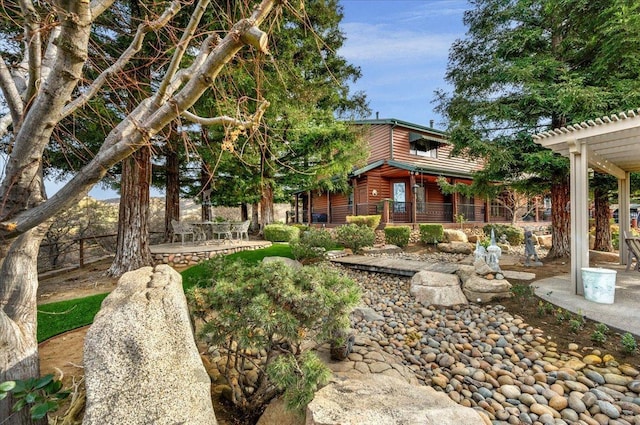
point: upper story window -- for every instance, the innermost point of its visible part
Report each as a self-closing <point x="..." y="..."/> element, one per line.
<point x="418" y="145"/>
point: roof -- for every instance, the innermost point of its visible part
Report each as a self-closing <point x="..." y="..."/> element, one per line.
<point x="409" y="167"/>
<point x="394" y="121"/>
<point x="613" y="142"/>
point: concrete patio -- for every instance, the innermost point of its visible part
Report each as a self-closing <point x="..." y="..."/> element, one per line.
<point x="622" y="315"/>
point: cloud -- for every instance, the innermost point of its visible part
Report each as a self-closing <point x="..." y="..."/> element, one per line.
<point x="368" y="42"/>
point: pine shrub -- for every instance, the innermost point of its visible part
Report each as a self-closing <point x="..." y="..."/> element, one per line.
<point x="515" y="236"/>
<point x="355" y="237"/>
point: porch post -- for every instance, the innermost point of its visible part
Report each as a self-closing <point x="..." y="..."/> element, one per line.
<point x="454" y="203"/>
<point x="487" y="211"/>
<point x="624" y="218"/>
<point x="297" y="217"/>
<point x="579" y="213"/>
<point x="385" y="211"/>
<point x="309" y="215"/>
<point x="414" y="209"/>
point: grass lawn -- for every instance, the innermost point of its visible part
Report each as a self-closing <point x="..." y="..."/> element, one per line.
<point x="63" y="316"/>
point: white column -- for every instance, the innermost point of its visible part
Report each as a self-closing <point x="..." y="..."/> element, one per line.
<point x="624" y="219"/>
<point x="579" y="213"/>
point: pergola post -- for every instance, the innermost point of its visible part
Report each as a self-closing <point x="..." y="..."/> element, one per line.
<point x="579" y="212"/>
<point x="624" y="218"/>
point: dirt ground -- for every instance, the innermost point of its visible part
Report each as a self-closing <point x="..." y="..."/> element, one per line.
<point x="63" y="353"/>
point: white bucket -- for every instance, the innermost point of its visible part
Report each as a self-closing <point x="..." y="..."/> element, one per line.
<point x="599" y="284"/>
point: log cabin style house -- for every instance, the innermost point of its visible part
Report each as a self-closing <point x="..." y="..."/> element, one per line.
<point x="399" y="182"/>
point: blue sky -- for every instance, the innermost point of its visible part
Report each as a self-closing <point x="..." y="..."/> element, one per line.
<point x="402" y="48"/>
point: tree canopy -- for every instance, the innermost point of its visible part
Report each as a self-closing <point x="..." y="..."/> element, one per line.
<point x="529" y="65"/>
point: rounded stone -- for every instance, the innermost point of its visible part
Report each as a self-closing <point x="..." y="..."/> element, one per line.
<point x="558" y="402"/>
<point x="608" y="409"/>
<point x="510" y="391"/>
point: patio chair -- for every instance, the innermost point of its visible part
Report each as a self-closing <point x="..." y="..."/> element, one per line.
<point x="633" y="245"/>
<point x="182" y="229"/>
<point x="240" y="230"/>
<point x="221" y="230"/>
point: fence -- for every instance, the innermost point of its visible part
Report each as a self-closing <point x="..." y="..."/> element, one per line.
<point x="80" y="251"/>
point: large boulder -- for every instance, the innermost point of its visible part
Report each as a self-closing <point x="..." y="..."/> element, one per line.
<point x="545" y="241"/>
<point x="384" y="400"/>
<point x="455" y="247"/>
<point x="140" y="359"/>
<point x="436" y="288"/>
<point x="452" y="235"/>
<point x="481" y="290"/>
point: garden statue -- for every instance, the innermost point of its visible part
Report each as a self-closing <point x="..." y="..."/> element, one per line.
<point x="493" y="254"/>
<point x="530" y="249"/>
<point x="480" y="252"/>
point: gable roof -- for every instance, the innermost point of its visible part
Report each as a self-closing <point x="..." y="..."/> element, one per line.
<point x="409" y="167"/>
<point x="406" y="124"/>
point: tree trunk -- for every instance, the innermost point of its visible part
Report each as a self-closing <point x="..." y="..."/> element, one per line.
<point x="18" y="320"/>
<point x="244" y="212"/>
<point x="255" y="218"/>
<point x="172" y="199"/>
<point x="132" y="246"/>
<point x="603" y="227"/>
<point x="266" y="204"/>
<point x="560" y="220"/>
<point x="205" y="192"/>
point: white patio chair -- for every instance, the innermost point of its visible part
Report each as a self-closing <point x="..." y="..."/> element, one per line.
<point x="182" y="229"/>
<point x="221" y="230"/>
<point x="240" y="230"/>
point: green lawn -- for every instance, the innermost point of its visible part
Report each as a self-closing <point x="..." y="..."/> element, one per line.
<point x="59" y="317"/>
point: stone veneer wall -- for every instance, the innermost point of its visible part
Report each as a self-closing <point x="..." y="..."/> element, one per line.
<point x="186" y="259"/>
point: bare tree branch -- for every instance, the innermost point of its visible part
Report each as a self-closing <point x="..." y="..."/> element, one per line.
<point x="252" y="122"/>
<point x="33" y="42"/>
<point x="138" y="128"/>
<point x="99" y="6"/>
<point x="181" y="48"/>
<point x="134" y="47"/>
<point x="10" y="91"/>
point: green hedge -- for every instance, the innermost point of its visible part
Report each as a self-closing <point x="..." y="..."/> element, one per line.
<point x="397" y="235"/>
<point x="280" y="233"/>
<point x="431" y="233"/>
<point x="372" y="221"/>
<point x="515" y="236"/>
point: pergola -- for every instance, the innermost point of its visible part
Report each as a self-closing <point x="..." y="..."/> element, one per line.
<point x="607" y="144"/>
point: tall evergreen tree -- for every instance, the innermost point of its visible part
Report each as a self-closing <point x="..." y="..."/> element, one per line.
<point x="526" y="66"/>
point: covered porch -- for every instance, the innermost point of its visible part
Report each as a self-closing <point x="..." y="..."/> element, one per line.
<point x="607" y="144"/>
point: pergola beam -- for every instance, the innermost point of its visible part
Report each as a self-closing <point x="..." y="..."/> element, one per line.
<point x="597" y="161"/>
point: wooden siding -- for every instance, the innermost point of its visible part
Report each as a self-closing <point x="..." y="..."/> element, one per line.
<point x="442" y="161"/>
<point x="339" y="199"/>
<point x="379" y="142"/>
<point x="319" y="202"/>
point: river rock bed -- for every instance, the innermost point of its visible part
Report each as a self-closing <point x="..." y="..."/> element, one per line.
<point x="487" y="359"/>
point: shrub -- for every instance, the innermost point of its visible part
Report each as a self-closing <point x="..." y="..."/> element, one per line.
<point x="431" y="233"/>
<point x="41" y="395"/>
<point x="598" y="337"/>
<point x="302" y="227"/>
<point x="397" y="235"/>
<point x="629" y="344"/>
<point x="272" y="309"/>
<point x="372" y="221"/>
<point x="312" y="245"/>
<point x="355" y="237"/>
<point x="280" y="233"/>
<point x="514" y="235"/>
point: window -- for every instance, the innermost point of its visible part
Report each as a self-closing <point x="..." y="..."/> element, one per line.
<point x="420" y="146"/>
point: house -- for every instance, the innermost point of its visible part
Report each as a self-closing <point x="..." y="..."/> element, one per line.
<point x="400" y="181"/>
